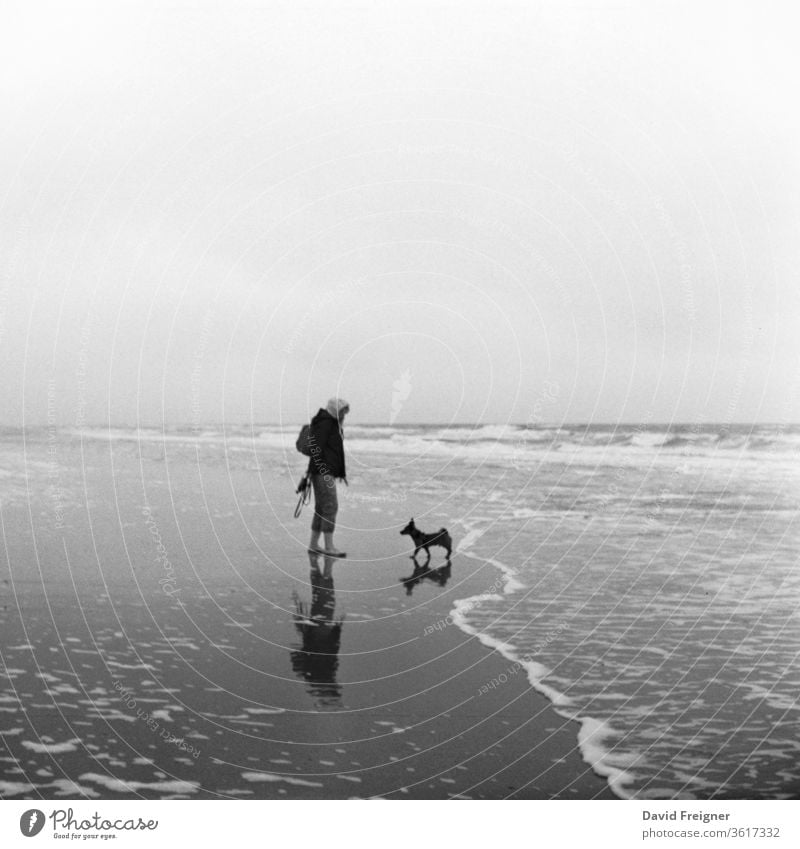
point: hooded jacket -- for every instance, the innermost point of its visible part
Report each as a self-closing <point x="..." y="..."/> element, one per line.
<point x="327" y="446"/>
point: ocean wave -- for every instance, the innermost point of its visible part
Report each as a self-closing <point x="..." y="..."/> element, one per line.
<point x="587" y="445"/>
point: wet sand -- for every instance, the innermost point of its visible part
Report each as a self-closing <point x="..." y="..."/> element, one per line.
<point x="173" y="639"/>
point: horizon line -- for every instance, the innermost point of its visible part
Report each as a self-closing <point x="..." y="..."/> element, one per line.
<point x="299" y="423"/>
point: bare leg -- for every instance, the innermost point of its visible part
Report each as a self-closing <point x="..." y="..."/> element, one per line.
<point x="329" y="546"/>
<point x="313" y="544"/>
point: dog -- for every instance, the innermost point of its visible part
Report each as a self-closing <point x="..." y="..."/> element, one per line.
<point x="423" y="540"/>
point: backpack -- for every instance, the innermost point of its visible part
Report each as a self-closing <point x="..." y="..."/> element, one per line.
<point x="303" y="444"/>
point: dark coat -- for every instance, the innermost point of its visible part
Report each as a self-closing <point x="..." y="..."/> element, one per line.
<point x="327" y="446"/>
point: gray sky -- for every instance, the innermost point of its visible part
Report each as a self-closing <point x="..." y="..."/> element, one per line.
<point x="502" y="212"/>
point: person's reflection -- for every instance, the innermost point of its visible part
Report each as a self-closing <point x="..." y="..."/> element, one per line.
<point x="321" y="634"/>
<point x="421" y="573"/>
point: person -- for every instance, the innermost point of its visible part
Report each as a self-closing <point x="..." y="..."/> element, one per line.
<point x="326" y="466"/>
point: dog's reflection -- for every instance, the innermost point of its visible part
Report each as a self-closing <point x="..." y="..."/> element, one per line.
<point x="421" y="573"/>
<point x="321" y="634"/>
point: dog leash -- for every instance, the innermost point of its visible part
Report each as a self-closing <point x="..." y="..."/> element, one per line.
<point x="304" y="489"/>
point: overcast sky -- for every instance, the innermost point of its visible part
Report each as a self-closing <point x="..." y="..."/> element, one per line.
<point x="442" y="212"/>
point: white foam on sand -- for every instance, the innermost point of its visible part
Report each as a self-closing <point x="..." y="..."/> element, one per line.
<point x="52" y="748"/>
<point x="511" y="583"/>
<point x="110" y="714"/>
<point x="468" y="539"/>
<point x="8" y="672"/>
<point x="396" y="729"/>
<point x="66" y="787"/>
<point x="536" y="672"/>
<point x="14" y="788"/>
<point x="162" y="713"/>
<point x="117" y="785"/>
<point x="593" y="742"/>
<point x="271" y="777"/>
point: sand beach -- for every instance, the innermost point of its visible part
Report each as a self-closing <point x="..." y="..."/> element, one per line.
<point x="165" y="634"/>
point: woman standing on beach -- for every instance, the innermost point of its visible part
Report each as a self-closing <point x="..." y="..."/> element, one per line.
<point x="326" y="466"/>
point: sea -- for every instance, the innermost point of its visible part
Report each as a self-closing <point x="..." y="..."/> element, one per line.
<point x="645" y="576"/>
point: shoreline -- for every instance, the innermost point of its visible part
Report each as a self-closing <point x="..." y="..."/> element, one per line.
<point x="590" y="732"/>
